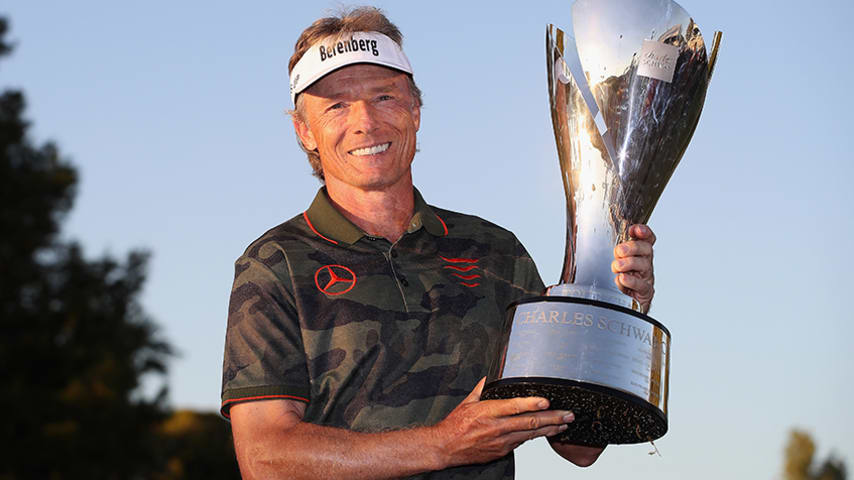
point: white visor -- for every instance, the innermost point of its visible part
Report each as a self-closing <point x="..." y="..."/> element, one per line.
<point x="330" y="54"/>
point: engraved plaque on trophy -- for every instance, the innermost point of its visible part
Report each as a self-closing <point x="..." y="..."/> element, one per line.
<point x="626" y="87"/>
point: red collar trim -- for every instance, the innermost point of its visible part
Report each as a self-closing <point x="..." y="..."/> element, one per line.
<point x="307" y="221"/>
<point x="443" y="224"/>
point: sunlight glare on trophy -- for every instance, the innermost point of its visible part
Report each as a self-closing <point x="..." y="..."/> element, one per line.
<point x="626" y="88"/>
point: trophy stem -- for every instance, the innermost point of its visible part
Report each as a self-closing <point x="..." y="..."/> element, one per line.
<point x="590" y="185"/>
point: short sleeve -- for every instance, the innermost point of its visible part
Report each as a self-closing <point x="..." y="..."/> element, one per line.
<point x="525" y="274"/>
<point x="264" y="355"/>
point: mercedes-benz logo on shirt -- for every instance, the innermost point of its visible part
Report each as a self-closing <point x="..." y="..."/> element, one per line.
<point x="334" y="279"/>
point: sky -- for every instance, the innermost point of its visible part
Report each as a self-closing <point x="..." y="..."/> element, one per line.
<point x="174" y="114"/>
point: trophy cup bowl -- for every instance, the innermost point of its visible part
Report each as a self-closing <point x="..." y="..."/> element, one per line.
<point x="626" y="88"/>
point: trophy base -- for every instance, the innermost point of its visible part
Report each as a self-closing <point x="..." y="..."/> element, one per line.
<point x="605" y="363"/>
<point x="602" y="416"/>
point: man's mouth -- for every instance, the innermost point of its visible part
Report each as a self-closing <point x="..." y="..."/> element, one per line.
<point x="372" y="150"/>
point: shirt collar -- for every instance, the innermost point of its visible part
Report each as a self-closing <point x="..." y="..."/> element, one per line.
<point x="329" y="223"/>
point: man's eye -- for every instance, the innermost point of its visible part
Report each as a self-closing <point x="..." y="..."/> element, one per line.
<point x="385" y="97"/>
<point x="336" y="106"/>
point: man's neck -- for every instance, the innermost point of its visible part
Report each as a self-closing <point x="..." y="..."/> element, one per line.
<point x="380" y="213"/>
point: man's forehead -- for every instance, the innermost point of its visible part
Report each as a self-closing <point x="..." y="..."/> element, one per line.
<point x="358" y="77"/>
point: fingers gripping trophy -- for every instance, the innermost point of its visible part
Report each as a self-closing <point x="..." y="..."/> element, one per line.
<point x="626" y="87"/>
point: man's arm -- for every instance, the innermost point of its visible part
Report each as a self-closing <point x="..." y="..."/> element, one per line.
<point x="272" y="441"/>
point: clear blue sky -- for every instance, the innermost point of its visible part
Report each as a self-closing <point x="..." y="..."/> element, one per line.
<point x="173" y="112"/>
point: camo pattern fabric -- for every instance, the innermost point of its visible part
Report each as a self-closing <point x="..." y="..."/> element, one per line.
<point x="372" y="335"/>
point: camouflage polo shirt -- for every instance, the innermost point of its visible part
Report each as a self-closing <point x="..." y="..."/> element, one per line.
<point x="373" y="335"/>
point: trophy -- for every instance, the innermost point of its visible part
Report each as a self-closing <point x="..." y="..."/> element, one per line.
<point x="626" y="88"/>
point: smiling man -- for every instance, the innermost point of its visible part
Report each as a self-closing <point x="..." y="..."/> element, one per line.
<point x="360" y="331"/>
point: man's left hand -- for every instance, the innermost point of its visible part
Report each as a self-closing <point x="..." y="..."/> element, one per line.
<point x="633" y="265"/>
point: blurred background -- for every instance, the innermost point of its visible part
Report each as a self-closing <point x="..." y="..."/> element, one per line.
<point x="158" y="147"/>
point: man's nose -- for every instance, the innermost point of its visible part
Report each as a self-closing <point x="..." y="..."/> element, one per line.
<point x="364" y="117"/>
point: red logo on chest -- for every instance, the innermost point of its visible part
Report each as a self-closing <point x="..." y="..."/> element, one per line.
<point x="334" y="279"/>
<point x="465" y="269"/>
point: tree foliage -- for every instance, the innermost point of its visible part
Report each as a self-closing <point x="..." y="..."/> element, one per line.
<point x="76" y="342"/>
<point x="800" y="463"/>
<point x="195" y="447"/>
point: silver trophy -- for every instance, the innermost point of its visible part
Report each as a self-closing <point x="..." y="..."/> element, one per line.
<point x="626" y="88"/>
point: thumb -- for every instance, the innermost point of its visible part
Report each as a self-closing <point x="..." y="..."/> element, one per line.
<point x="474" y="396"/>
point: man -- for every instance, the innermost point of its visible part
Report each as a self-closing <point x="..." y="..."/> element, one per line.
<point x="360" y="331"/>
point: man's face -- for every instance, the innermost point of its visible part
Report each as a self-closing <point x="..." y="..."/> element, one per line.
<point x="362" y="119"/>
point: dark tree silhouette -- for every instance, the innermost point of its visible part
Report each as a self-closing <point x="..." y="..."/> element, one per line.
<point x="75" y="341"/>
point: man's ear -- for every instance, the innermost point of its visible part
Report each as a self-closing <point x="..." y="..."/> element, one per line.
<point x="416" y="115"/>
<point x="304" y="134"/>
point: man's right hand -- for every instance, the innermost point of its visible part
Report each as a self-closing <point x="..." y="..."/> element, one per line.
<point x="272" y="441"/>
<point x="480" y="431"/>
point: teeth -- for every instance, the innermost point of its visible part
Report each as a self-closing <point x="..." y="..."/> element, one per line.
<point x="372" y="150"/>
